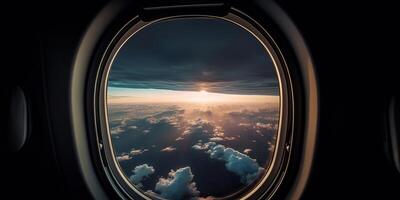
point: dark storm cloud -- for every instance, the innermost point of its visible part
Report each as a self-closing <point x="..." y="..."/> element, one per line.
<point x="194" y="54"/>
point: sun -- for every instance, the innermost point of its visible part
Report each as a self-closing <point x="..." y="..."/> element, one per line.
<point x="203" y="92"/>
<point x="201" y="96"/>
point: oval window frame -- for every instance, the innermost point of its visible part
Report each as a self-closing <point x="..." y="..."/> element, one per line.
<point x="277" y="168"/>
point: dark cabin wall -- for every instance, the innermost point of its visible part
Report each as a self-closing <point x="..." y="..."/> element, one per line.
<point x="350" y="43"/>
<point x="354" y="49"/>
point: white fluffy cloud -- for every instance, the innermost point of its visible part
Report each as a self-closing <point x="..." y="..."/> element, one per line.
<point x="168" y="149"/>
<point x="140" y="172"/>
<point x="198" y="147"/>
<point x="120" y="128"/>
<point x="117" y="130"/>
<point x="130" y="155"/>
<point x="202" y="126"/>
<point x="236" y="162"/>
<point x="123" y="157"/>
<point x="132" y="127"/>
<point x="146" y="131"/>
<point x="205" y="146"/>
<point x="178" y="185"/>
<point x="269" y="126"/>
<point x="135" y="152"/>
<point x="216" y="139"/>
<point x="247" y="151"/>
<point x="198" y="126"/>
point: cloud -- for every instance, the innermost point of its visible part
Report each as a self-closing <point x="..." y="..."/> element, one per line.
<point x="152" y="120"/>
<point x="271" y="146"/>
<point x="245" y="125"/>
<point x="197" y="147"/>
<point x="222" y="56"/>
<point x="216" y="139"/>
<point x="135" y="152"/>
<point x="172" y="117"/>
<point x="132" y="127"/>
<point x="199" y="126"/>
<point x="203" y="126"/>
<point x="247" y="151"/>
<point x="123" y="157"/>
<point x="141" y="172"/>
<point x="132" y="153"/>
<point x="230" y="138"/>
<point x="168" y="149"/>
<point x="178" y="185"/>
<point x="205" y="146"/>
<point x="236" y="162"/>
<point x="218" y="131"/>
<point x="117" y="130"/>
<point x="269" y="126"/>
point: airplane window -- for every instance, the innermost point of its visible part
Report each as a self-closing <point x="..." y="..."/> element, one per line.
<point x="193" y="107"/>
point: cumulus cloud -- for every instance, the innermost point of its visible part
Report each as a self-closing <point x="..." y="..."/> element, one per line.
<point x="135" y="152"/>
<point x="269" y="126"/>
<point x="141" y="172"/>
<point x="235" y="161"/>
<point x="152" y="120"/>
<point x="168" y="149"/>
<point x="230" y="138"/>
<point x="198" y="126"/>
<point x="173" y="120"/>
<point x="209" y="128"/>
<point x="216" y="139"/>
<point x="218" y="131"/>
<point x="245" y="125"/>
<point x="124" y="157"/>
<point x="117" y="130"/>
<point x="205" y="146"/>
<point x="271" y="146"/>
<point x="171" y="117"/>
<point x="131" y="154"/>
<point x="132" y="127"/>
<point x="177" y="185"/>
<point x="247" y="151"/>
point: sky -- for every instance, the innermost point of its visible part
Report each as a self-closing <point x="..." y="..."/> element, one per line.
<point x="199" y="56"/>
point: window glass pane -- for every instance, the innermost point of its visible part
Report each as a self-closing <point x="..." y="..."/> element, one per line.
<point x="193" y="108"/>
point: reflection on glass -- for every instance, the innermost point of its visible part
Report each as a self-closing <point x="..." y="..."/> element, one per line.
<point x="193" y="109"/>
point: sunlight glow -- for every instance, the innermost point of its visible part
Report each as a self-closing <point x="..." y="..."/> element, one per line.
<point x="203" y="92"/>
<point x="125" y="95"/>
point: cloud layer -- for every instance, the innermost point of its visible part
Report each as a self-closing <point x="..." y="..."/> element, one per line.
<point x="191" y="54"/>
